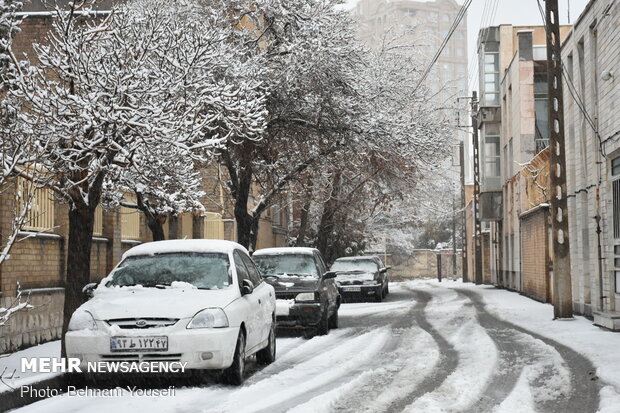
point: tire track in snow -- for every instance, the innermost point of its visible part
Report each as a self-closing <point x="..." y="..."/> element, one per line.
<point x="410" y="355"/>
<point x="294" y="386"/>
<point x="584" y="394"/>
<point x="448" y="360"/>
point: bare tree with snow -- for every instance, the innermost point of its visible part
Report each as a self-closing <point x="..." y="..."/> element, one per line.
<point x="106" y="88"/>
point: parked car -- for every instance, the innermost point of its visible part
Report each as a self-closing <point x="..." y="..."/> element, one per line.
<point x="307" y="296"/>
<point x="361" y="277"/>
<point x="202" y="302"/>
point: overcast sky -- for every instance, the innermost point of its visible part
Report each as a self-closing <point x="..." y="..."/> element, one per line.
<point x="515" y="12"/>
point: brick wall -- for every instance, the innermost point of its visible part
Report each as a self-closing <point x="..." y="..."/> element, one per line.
<point x="535" y="254"/>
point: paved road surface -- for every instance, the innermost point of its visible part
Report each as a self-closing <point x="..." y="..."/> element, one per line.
<point x="424" y="349"/>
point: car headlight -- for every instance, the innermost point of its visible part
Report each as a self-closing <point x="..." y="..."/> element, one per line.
<point x="305" y="297"/>
<point x="209" y="318"/>
<point x="82" y="320"/>
<point x="370" y="282"/>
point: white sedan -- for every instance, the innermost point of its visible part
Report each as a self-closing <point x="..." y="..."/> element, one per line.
<point x="200" y="303"/>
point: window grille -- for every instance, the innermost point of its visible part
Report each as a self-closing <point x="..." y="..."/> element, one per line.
<point x="213" y="226"/>
<point x="98" y="227"/>
<point x="40" y="215"/>
<point x="130" y="219"/>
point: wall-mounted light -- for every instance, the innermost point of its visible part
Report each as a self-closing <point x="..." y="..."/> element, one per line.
<point x="607" y="74"/>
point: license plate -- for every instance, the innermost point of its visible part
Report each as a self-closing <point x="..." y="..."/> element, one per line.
<point x="351" y="289"/>
<point x="159" y="343"/>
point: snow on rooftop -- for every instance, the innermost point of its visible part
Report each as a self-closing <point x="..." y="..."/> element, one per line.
<point x="184" y="245"/>
<point x="286" y="250"/>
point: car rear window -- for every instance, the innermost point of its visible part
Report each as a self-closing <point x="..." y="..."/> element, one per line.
<point x="202" y="270"/>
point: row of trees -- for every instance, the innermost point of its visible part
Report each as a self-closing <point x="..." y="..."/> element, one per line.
<point x="276" y="92"/>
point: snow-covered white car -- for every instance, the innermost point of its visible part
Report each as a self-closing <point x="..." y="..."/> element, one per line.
<point x="200" y="302"/>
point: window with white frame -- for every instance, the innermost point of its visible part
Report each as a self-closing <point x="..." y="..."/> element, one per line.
<point x="615" y="175"/>
<point x="490" y="74"/>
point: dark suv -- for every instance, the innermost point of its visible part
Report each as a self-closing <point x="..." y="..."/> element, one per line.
<point x="306" y="294"/>
<point x="361" y="277"/>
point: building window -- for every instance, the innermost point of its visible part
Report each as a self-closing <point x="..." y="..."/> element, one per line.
<point x="460" y="52"/>
<point x="432" y="15"/>
<point x="446" y="17"/>
<point x="541" y="97"/>
<point x="491" y="156"/>
<point x="491" y="78"/>
<point x="409" y="12"/>
<point x="460" y="35"/>
<point x="615" y="173"/>
<point x="277" y="214"/>
<point x="130" y="219"/>
<point x="98" y="226"/>
<point x="213" y="226"/>
<point x="40" y="214"/>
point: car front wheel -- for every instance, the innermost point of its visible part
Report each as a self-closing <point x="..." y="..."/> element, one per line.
<point x="268" y="354"/>
<point x="234" y="374"/>
<point x="323" y="327"/>
<point x="333" y="320"/>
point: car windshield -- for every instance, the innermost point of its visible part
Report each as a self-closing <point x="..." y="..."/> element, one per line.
<point x="301" y="265"/>
<point x="354" y="265"/>
<point x="202" y="270"/>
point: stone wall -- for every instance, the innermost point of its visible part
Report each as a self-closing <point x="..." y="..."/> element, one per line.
<point x="29" y="327"/>
<point x="423" y="264"/>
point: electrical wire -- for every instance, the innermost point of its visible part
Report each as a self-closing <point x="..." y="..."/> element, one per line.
<point x="573" y="90"/>
<point x="455" y="23"/>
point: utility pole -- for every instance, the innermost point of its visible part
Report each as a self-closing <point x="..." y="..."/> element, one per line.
<point x="453" y="235"/>
<point x="562" y="290"/>
<point x="476" y="200"/>
<point x="464" y="214"/>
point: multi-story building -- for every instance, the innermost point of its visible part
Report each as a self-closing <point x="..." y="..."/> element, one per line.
<point x="514" y="173"/>
<point x="422" y="26"/>
<point x="591" y="57"/>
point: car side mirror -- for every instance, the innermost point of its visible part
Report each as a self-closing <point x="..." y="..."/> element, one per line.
<point x="89" y="288"/>
<point x="247" y="287"/>
<point x="329" y="274"/>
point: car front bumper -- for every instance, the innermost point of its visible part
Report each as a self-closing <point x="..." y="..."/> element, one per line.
<point x="204" y="348"/>
<point x="298" y="315"/>
<point x="360" y="291"/>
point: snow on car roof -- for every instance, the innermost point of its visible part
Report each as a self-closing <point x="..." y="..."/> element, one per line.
<point x="358" y="257"/>
<point x="184" y="245"/>
<point x="286" y="250"/>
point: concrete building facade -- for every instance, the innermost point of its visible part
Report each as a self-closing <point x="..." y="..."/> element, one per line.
<point x="514" y="173"/>
<point x="591" y="57"/>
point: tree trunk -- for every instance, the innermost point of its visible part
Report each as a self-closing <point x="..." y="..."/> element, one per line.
<point x="81" y="223"/>
<point x="326" y="226"/>
<point x="156" y="225"/>
<point x="154" y="221"/>
<point x="303" y="224"/>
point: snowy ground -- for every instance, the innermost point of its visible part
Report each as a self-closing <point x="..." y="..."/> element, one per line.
<point x="430" y="347"/>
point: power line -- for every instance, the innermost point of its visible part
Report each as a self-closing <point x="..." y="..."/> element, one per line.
<point x="455" y="23"/>
<point x="573" y="90"/>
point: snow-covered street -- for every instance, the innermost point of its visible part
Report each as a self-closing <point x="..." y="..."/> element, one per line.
<point x="428" y="347"/>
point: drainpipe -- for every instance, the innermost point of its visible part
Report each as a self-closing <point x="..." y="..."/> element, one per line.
<point x="599" y="248"/>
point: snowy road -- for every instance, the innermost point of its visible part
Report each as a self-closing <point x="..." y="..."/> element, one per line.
<point x="425" y="349"/>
